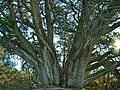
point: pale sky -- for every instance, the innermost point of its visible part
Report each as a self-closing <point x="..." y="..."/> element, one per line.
<point x="18" y="66"/>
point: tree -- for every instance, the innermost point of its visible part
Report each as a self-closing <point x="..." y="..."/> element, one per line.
<point x="105" y="82"/>
<point x="14" y="78"/>
<point x="28" y="28"/>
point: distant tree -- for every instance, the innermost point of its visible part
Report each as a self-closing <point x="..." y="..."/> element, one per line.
<point x="9" y="76"/>
<point x="29" y="27"/>
<point x="12" y="77"/>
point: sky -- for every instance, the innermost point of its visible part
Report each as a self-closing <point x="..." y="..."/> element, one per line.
<point x="18" y="66"/>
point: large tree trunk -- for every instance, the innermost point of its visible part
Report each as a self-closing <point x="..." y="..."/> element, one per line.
<point x="42" y="75"/>
<point x="76" y="77"/>
<point x="74" y="70"/>
<point x="87" y="28"/>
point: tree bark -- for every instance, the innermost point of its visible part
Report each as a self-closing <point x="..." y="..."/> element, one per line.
<point x="88" y="28"/>
<point x="74" y="70"/>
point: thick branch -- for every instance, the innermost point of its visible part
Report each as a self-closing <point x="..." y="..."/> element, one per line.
<point x="15" y="50"/>
<point x="48" y="20"/>
<point x="28" y="47"/>
<point x="109" y="29"/>
<point x="39" y="29"/>
<point x="41" y="36"/>
<point x="99" y="73"/>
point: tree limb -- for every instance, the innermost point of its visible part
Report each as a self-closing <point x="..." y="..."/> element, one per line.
<point x="99" y="73"/>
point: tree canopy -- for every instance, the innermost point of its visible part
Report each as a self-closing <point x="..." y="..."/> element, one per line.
<point x="82" y="28"/>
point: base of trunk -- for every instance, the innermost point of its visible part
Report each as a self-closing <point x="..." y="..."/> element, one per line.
<point x="57" y="88"/>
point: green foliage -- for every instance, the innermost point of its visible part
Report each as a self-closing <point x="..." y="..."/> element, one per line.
<point x="10" y="76"/>
<point x="7" y="22"/>
<point x="7" y="26"/>
<point x="107" y="81"/>
<point x="2" y="53"/>
<point x="80" y="27"/>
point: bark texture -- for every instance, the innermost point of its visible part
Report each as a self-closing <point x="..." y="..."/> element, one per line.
<point x="90" y="20"/>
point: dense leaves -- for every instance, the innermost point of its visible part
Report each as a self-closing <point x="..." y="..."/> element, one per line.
<point x="107" y="81"/>
<point x="11" y="76"/>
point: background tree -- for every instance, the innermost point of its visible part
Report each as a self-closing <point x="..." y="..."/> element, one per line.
<point x="28" y="29"/>
<point x="12" y="78"/>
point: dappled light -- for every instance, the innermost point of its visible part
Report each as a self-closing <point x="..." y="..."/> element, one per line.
<point x="116" y="44"/>
<point x="60" y="42"/>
